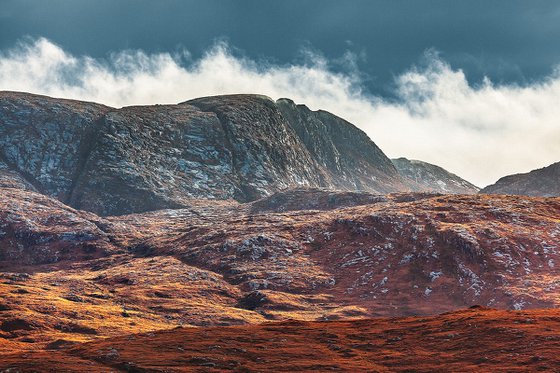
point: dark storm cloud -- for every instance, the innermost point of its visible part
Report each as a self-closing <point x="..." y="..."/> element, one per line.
<point x="508" y="41"/>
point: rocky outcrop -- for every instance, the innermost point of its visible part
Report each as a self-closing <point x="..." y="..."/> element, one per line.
<point x="425" y="177"/>
<point x="154" y="157"/>
<point x="35" y="229"/>
<point x="544" y="182"/>
<point x="266" y="154"/>
<point x="141" y="158"/>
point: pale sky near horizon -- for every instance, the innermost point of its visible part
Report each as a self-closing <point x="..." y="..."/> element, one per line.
<point x="473" y="86"/>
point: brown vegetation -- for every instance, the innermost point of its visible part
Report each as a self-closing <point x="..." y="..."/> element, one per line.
<point x="71" y="277"/>
<point x="476" y="339"/>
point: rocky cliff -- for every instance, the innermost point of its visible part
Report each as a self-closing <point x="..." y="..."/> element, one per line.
<point x="425" y="177"/>
<point x="140" y="158"/>
<point x="544" y="182"/>
<point x="47" y="140"/>
<point x="346" y="154"/>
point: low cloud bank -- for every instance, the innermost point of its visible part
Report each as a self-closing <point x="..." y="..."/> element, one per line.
<point x="481" y="133"/>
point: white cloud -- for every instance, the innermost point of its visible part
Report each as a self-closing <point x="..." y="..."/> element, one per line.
<point x="480" y="133"/>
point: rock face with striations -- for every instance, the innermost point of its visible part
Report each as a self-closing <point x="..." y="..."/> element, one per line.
<point x="140" y="158"/>
<point x="46" y="140"/>
<point x="544" y="182"/>
<point x="153" y="157"/>
<point x="425" y="177"/>
<point x="350" y="159"/>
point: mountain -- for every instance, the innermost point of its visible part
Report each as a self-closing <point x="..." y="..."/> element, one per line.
<point x="237" y="211"/>
<point x="425" y="177"/>
<point x="544" y="182"/>
<point x="141" y="158"/>
<point x="474" y="340"/>
<point x="353" y="161"/>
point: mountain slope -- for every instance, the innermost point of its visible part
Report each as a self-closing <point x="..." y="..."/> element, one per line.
<point x="140" y="158"/>
<point x="71" y="276"/>
<point x="346" y="154"/>
<point x="544" y="182"/>
<point x="425" y="177"/>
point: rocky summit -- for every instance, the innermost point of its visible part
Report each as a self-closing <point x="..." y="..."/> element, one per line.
<point x="243" y="147"/>
<point x="544" y="182"/>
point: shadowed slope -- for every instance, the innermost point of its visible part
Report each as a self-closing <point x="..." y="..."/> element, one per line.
<point x="425" y="177"/>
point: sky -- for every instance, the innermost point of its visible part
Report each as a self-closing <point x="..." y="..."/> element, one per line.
<point x="473" y="86"/>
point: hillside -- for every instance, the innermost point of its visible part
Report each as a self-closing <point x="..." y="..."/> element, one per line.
<point x="72" y="276"/>
<point x="544" y="182"/>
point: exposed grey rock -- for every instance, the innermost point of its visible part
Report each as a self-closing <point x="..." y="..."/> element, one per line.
<point x="425" y="177"/>
<point x="45" y="139"/>
<point x="266" y="153"/>
<point x="154" y="157"/>
<point x="140" y="158"/>
<point x="12" y="179"/>
<point x="345" y="153"/>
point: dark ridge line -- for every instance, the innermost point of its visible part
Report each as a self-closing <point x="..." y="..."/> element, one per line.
<point x="85" y="150"/>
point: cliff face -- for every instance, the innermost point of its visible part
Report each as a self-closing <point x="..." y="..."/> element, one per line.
<point x="266" y="154"/>
<point x="134" y="159"/>
<point x="346" y="154"/>
<point x="46" y="140"/>
<point x="153" y="157"/>
<point x="544" y="182"/>
<point x="425" y="177"/>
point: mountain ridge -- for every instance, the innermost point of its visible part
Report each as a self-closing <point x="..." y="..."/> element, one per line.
<point x="542" y="182"/>
<point x="139" y="158"/>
